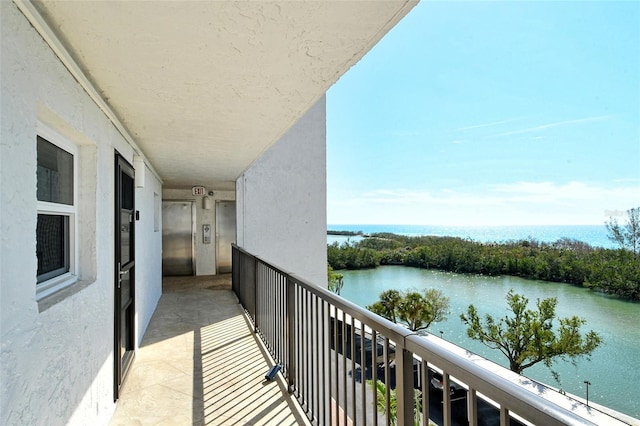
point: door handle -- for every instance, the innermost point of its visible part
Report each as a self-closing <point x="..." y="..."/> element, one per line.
<point x="120" y="274"/>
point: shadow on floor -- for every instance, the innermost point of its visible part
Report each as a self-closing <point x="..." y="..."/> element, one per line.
<point x="200" y="364"/>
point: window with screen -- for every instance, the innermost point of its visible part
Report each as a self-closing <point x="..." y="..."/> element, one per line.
<point x="55" y="230"/>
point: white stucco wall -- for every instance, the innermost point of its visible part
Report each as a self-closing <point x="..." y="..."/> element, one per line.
<point x="148" y="251"/>
<point x="56" y="358"/>
<point x="205" y="253"/>
<point x="281" y="200"/>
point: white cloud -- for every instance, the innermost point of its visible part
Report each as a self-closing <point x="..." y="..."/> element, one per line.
<point x="520" y="203"/>
<point x="632" y="180"/>
<point x="571" y="191"/>
<point x="551" y="125"/>
<point x="491" y="124"/>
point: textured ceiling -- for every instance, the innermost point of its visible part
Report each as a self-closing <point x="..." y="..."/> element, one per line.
<point x="204" y="87"/>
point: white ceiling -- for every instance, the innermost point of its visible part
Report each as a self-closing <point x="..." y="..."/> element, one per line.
<point x="204" y="87"/>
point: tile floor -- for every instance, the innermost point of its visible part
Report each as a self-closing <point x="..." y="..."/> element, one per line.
<point x="200" y="364"/>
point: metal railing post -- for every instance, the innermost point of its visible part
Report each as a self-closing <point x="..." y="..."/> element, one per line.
<point x="446" y="399"/>
<point x="255" y="295"/>
<point x="424" y="373"/>
<point x="404" y="386"/>
<point x="291" y="334"/>
<point x="504" y="416"/>
<point x="235" y="267"/>
<point x="472" y="407"/>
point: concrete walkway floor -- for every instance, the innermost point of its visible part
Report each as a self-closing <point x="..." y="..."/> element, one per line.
<point x="200" y="364"/>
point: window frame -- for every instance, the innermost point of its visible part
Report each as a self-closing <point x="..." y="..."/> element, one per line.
<point x="58" y="282"/>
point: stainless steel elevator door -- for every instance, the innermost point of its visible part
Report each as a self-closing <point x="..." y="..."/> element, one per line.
<point x="225" y="234"/>
<point x="178" y="219"/>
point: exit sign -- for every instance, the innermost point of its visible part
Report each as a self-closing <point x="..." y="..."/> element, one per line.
<point x="198" y="190"/>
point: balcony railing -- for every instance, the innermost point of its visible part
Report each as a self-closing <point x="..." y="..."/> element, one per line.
<point x="332" y="352"/>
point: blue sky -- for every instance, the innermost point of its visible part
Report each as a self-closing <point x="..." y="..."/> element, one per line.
<point x="490" y="113"/>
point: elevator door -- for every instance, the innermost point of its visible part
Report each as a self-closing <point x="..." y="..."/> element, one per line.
<point x="225" y="234"/>
<point x="178" y="221"/>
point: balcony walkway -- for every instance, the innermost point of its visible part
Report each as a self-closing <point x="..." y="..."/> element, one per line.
<point x="200" y="364"/>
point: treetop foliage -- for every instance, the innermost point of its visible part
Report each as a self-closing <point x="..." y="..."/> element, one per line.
<point x="611" y="271"/>
<point x="628" y="235"/>
<point x="414" y="309"/>
<point x="335" y="280"/>
<point x="527" y="336"/>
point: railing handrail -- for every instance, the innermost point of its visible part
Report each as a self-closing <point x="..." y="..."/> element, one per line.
<point x="497" y="383"/>
<point x="472" y="370"/>
<point x="395" y="332"/>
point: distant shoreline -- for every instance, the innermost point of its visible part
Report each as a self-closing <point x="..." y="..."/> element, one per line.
<point x="346" y="233"/>
<point x="594" y="235"/>
<point x="565" y="260"/>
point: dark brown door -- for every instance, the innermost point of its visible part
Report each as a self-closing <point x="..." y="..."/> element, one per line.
<point x="124" y="270"/>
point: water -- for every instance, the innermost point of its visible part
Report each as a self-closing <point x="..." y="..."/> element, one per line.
<point x="614" y="368"/>
<point x="596" y="235"/>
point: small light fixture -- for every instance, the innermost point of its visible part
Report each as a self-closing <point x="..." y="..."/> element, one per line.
<point x="206" y="202"/>
<point x="140" y="168"/>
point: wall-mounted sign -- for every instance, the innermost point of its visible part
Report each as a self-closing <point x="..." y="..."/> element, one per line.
<point x="198" y="190"/>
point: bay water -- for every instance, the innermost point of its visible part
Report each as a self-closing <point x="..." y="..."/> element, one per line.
<point x="614" y="368"/>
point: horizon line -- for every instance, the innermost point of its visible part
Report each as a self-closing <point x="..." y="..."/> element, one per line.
<point x="466" y="226"/>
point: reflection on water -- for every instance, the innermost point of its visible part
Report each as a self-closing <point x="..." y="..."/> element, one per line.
<point x="613" y="371"/>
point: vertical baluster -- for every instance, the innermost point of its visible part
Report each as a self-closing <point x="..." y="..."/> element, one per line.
<point x="272" y="300"/>
<point x="374" y="375"/>
<point x="291" y="337"/>
<point x="424" y="379"/>
<point x="504" y="416"/>
<point x="254" y="289"/>
<point x="307" y="370"/>
<point x="256" y="308"/>
<point x="325" y="374"/>
<point x="472" y="407"/>
<point x="265" y="283"/>
<point x="404" y="385"/>
<point x="272" y="317"/>
<point x="283" y="335"/>
<point x="353" y="353"/>
<point x="387" y="378"/>
<point x="274" y="310"/>
<point x="363" y="373"/>
<point x="260" y="295"/>
<point x="262" y="327"/>
<point x="336" y="340"/>
<point x="318" y="367"/>
<point x="446" y="399"/>
<point x="344" y="368"/>
<point x="277" y="315"/>
<point x="283" y="338"/>
<point x="300" y="348"/>
<point x="302" y="378"/>
<point x="311" y="356"/>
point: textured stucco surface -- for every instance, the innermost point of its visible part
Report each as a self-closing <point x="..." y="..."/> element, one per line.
<point x="281" y="200"/>
<point x="148" y="254"/>
<point x="221" y="79"/>
<point x="56" y="364"/>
